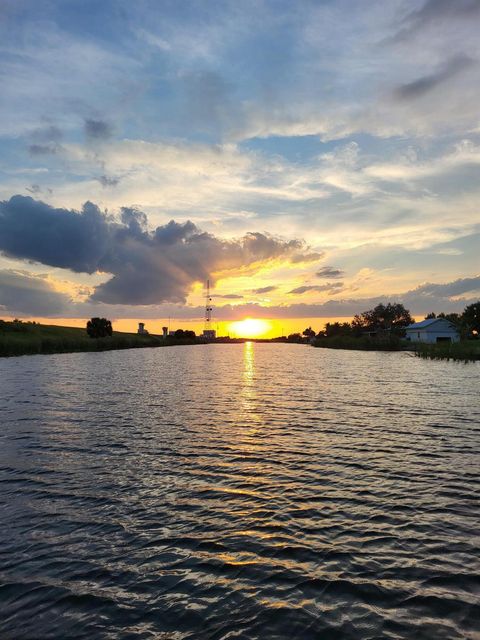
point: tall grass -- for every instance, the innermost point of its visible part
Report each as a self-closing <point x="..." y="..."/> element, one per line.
<point x="464" y="351"/>
<point x="363" y="343"/>
<point x="18" y="338"/>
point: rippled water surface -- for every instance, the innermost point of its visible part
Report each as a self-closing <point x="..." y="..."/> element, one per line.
<point x="253" y="491"/>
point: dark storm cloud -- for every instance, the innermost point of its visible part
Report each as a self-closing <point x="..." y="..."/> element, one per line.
<point x="107" y="181"/>
<point x="424" y="85"/>
<point x="24" y="294"/>
<point x="97" y="129"/>
<point x="148" y="267"/>
<point x="33" y="230"/>
<point x="330" y="272"/>
<point x="264" y="289"/>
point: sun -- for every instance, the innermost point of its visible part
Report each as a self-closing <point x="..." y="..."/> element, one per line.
<point x="250" y="328"/>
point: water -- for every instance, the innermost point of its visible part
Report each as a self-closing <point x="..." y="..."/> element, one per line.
<point x="239" y="491"/>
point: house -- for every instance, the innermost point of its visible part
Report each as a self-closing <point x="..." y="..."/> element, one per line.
<point x="432" y="330"/>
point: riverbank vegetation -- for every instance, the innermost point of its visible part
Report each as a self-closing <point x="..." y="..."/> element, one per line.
<point x="383" y="329"/>
<point x="22" y="338"/>
<point x="463" y="351"/>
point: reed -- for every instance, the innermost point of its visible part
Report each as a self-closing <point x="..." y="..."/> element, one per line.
<point x="464" y="351"/>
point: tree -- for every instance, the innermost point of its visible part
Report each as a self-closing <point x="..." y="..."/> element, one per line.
<point x="294" y="337"/>
<point x="430" y="316"/>
<point x="470" y="318"/>
<point x="99" y="328"/>
<point x="390" y="317"/>
<point x="337" y="329"/>
<point x="309" y="333"/>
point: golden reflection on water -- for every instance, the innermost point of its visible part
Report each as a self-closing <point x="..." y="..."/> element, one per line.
<point x="249" y="393"/>
<point x="248" y="363"/>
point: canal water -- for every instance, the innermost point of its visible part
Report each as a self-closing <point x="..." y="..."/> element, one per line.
<point x="255" y="491"/>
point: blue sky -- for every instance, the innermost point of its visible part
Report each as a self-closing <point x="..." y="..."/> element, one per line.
<point x="344" y="134"/>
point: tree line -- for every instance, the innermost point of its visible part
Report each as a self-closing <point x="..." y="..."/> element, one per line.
<point x="391" y="319"/>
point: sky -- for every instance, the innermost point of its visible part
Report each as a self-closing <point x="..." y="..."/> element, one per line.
<point x="310" y="158"/>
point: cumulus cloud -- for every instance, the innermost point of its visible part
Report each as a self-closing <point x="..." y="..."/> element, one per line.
<point x="148" y="267"/>
<point x="330" y="272"/>
<point x="22" y="293"/>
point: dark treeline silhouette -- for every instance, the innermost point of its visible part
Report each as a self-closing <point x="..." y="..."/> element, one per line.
<point x="391" y="319"/>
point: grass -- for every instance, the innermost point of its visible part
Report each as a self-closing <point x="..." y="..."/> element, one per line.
<point x="363" y="343"/>
<point x="25" y="338"/>
<point x="464" y="351"/>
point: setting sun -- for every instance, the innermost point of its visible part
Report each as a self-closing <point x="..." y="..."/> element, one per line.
<point x="250" y="328"/>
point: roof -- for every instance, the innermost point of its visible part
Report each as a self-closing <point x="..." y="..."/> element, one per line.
<point x="426" y="323"/>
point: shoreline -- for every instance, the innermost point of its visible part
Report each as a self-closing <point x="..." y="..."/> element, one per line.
<point x="28" y="338"/>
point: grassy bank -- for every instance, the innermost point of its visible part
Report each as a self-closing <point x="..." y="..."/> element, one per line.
<point x="465" y="351"/>
<point x="364" y="343"/>
<point x="24" y="338"/>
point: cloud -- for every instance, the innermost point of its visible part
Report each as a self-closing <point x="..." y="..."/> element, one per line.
<point x="434" y="12"/>
<point x="34" y="188"/>
<point x="261" y="290"/>
<point x="331" y="287"/>
<point x="307" y="257"/>
<point x="229" y="296"/>
<point x="107" y="181"/>
<point x="97" y="129"/>
<point x="425" y="84"/>
<point x="24" y="294"/>
<point x="45" y="141"/>
<point x="148" y="267"/>
<point x="448" y="290"/>
<point x="43" y="149"/>
<point x="330" y="272"/>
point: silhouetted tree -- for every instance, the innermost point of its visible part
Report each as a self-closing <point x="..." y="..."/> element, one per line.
<point x="430" y="316"/>
<point x="390" y="317"/>
<point x="470" y="318"/>
<point x="337" y="329"/>
<point x="309" y="333"/>
<point x="294" y="337"/>
<point x="99" y="328"/>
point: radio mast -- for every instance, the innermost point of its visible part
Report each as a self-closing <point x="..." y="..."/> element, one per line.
<point x="208" y="309"/>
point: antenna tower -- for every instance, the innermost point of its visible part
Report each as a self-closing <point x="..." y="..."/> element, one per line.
<point x="208" y="308"/>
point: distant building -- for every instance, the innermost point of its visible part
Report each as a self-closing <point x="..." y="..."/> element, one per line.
<point x="432" y="330"/>
<point x="141" y="329"/>
<point x="209" y="334"/>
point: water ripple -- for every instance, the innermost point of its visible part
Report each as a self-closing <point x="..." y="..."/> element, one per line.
<point x="239" y="491"/>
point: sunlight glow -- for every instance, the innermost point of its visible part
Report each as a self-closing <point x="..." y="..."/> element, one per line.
<point x="249" y="328"/>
